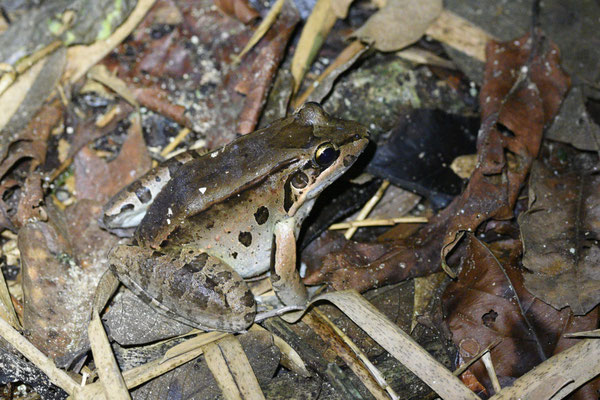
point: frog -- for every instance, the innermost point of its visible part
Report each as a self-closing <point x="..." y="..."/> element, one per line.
<point x="205" y="224"/>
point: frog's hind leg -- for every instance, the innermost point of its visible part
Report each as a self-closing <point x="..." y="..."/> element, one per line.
<point x="187" y="285"/>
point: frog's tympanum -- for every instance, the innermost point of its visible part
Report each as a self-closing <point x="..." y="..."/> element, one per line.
<point x="204" y="223"/>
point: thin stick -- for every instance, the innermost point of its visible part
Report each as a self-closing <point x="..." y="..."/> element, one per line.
<point x="261" y="29"/>
<point x="375" y="373"/>
<point x="378" y="222"/>
<point x="368" y="207"/>
<point x="171" y="146"/>
<point x="106" y="365"/>
<point x="489" y="366"/>
<point x="472" y="361"/>
<point x="56" y="376"/>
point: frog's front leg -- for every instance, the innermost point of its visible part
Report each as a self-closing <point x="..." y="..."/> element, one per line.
<point x="284" y="274"/>
<point x="187" y="285"/>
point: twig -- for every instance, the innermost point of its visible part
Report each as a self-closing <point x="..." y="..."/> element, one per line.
<point x="56" y="376"/>
<point x="489" y="367"/>
<point x="106" y="365"/>
<point x="378" y="222"/>
<point x="368" y="207"/>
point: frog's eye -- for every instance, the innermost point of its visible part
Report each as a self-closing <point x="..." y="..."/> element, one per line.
<point x="326" y="154"/>
<point x="299" y="180"/>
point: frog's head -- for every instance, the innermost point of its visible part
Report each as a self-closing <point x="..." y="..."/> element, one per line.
<point x="330" y="148"/>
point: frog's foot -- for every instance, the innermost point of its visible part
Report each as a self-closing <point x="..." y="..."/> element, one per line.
<point x="187" y="285"/>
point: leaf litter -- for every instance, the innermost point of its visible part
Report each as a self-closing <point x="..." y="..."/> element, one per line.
<point x="179" y="66"/>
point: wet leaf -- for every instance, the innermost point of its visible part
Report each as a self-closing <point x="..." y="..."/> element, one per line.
<point x="560" y="232"/>
<point x="399" y="23"/>
<point x="489" y="302"/>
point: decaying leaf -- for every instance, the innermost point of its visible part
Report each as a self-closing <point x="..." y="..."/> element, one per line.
<point x="560" y="232"/>
<point x="62" y="262"/>
<point x="574" y="125"/>
<point x="488" y="303"/>
<point x="522" y="91"/>
<point x="240" y="9"/>
<point x="98" y="180"/>
<point x="399" y="23"/>
<point x="257" y="81"/>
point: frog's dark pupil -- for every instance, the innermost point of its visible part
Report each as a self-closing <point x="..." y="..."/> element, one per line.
<point x="326" y="155"/>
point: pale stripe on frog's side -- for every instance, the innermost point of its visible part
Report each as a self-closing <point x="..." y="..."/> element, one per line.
<point x="240" y="208"/>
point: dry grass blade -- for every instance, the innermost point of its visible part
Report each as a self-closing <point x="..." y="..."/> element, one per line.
<point x="231" y="369"/>
<point x="323" y="84"/>
<point x="458" y="371"/>
<point x="378" y="222"/>
<point x="56" y="376"/>
<point x="368" y="207"/>
<point x="12" y="98"/>
<point x="108" y="371"/>
<point x="316" y="29"/>
<point x="489" y="367"/>
<point x="399" y="344"/>
<point x="591" y="334"/>
<point x="262" y="29"/>
<point x="100" y="73"/>
<point x="351" y="354"/>
<point x="178" y="139"/>
<point x="192" y="344"/>
<point x="7" y="310"/>
<point x="82" y="58"/>
<point x="426" y="57"/>
<point x="289" y="357"/>
<point x="459" y="33"/>
<point x="576" y="365"/>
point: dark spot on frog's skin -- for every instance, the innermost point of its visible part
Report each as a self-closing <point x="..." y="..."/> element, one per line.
<point x="157" y="178"/>
<point x="210" y="284"/>
<point x="200" y="260"/>
<point x="192" y="268"/>
<point x="234" y="255"/>
<point x="224" y="276"/>
<point x="157" y="254"/>
<point x="248" y="318"/>
<point x="127" y="207"/>
<point x="348" y="160"/>
<point x="275" y="278"/>
<point x="245" y="238"/>
<point x="143" y="194"/>
<point x="261" y="215"/>
<point x="248" y="299"/>
<point x="210" y="225"/>
<point x="173" y="167"/>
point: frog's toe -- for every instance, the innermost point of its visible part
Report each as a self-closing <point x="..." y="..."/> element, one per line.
<point x="191" y="287"/>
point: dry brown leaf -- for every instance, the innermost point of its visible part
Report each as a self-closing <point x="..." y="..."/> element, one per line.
<point x="399" y="23"/>
<point x="262" y="28"/>
<point x="459" y="33"/>
<point x="560" y="232"/>
<point x="315" y="30"/>
<point x="240" y="9"/>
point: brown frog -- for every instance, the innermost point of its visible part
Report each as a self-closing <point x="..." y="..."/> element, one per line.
<point x="207" y="222"/>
